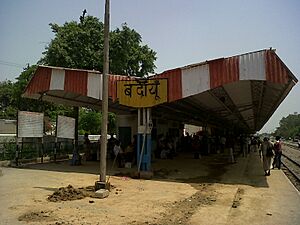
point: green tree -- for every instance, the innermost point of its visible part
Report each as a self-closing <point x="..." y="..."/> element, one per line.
<point x="7" y="111"/>
<point x="80" y="45"/>
<point x="127" y="55"/>
<point x="289" y="126"/>
<point x="89" y="121"/>
<point x="76" y="45"/>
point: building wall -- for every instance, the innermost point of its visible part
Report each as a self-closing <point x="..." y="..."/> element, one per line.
<point x="127" y="121"/>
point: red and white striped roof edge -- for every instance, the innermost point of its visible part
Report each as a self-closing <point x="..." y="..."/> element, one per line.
<point x="183" y="82"/>
<point x="193" y="79"/>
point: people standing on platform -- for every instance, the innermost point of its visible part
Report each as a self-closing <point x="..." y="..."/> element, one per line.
<point x="278" y="153"/>
<point x="119" y="154"/>
<point x="160" y="146"/>
<point x="129" y="153"/>
<point x="204" y="144"/>
<point x="267" y="153"/>
<point x="213" y="146"/>
<point x="188" y="142"/>
<point x="242" y="145"/>
<point x="230" y="144"/>
<point x="87" y="147"/>
<point x="259" y="143"/>
<point x="223" y="143"/>
<point x="254" y="144"/>
<point x="170" y="147"/>
<point x="245" y="146"/>
<point x="196" y="146"/>
<point x="110" y="146"/>
<point x="248" y="139"/>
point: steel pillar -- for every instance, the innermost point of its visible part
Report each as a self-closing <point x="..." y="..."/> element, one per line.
<point x="144" y="139"/>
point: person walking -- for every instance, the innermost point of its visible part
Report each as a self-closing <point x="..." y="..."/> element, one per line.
<point x="278" y="153"/>
<point x="267" y="153"/>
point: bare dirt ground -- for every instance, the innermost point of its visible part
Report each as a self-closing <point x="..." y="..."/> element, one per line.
<point x="183" y="191"/>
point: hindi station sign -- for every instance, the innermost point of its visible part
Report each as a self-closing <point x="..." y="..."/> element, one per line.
<point x="143" y="92"/>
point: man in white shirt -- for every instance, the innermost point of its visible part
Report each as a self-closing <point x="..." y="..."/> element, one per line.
<point x="118" y="153"/>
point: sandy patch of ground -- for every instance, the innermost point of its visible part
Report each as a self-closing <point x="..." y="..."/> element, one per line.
<point x="186" y="191"/>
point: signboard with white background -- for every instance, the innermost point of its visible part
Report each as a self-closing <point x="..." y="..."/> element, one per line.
<point x="30" y="124"/>
<point x="65" y="127"/>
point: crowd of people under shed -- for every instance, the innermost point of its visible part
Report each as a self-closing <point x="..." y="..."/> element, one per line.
<point x="198" y="144"/>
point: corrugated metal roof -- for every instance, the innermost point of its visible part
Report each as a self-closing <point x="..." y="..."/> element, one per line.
<point x="252" y="66"/>
<point x="211" y="86"/>
<point x="174" y="83"/>
<point x="223" y="71"/>
<point x="112" y="84"/>
<point x="76" y="81"/>
<point x="40" y="82"/>
<point x="276" y="71"/>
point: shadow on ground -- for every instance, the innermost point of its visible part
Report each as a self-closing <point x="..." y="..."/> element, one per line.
<point x="183" y="168"/>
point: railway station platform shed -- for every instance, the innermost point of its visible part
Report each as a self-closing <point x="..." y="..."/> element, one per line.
<point x="237" y="94"/>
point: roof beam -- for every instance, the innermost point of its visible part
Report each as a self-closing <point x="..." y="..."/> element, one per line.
<point x="257" y="93"/>
<point x="223" y="98"/>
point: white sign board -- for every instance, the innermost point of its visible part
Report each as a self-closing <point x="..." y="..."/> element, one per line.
<point x="30" y="124"/>
<point x="65" y="127"/>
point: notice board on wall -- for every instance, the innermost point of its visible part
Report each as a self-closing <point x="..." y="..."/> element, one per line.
<point x="65" y="127"/>
<point x="30" y="124"/>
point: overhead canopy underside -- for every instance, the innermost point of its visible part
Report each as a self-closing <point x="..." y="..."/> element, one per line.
<point x="240" y="92"/>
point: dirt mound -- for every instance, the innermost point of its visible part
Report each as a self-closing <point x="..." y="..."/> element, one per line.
<point x="68" y="193"/>
<point x="37" y="216"/>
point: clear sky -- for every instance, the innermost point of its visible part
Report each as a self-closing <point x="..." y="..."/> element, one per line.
<point x="182" y="32"/>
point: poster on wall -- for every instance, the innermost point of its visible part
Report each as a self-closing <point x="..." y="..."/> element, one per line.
<point x="65" y="127"/>
<point x="30" y="124"/>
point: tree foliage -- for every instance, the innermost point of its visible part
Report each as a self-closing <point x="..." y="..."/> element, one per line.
<point x="7" y="110"/>
<point x="127" y="56"/>
<point x="289" y="126"/>
<point x="80" y="45"/>
<point x="76" y="45"/>
<point x="90" y="122"/>
<point x="11" y="99"/>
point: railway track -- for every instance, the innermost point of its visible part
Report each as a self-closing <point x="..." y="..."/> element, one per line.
<point x="292" y="145"/>
<point x="291" y="163"/>
<point x="292" y="166"/>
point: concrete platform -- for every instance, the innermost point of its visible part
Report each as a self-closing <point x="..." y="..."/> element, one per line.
<point x="255" y="199"/>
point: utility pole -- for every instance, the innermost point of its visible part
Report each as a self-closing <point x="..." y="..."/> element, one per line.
<point x="104" y="95"/>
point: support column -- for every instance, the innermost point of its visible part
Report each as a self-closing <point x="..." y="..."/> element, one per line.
<point x="144" y="139"/>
